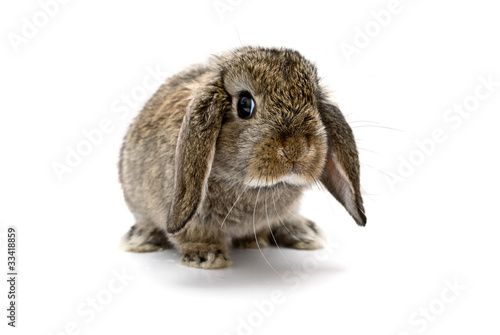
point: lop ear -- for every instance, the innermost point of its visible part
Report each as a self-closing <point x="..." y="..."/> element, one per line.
<point x="341" y="173"/>
<point x="195" y="152"/>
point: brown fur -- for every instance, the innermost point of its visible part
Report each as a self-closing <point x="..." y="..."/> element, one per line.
<point x="192" y="169"/>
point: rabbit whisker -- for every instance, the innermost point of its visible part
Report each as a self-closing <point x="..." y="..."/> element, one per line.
<point x="374" y="126"/>
<point x="375" y="152"/>
<point x="374" y="168"/>
<point x="327" y="198"/>
<point x="281" y="221"/>
<point x="238" y="198"/>
<point x="255" y="233"/>
<point x="238" y="34"/>
<point x="294" y="215"/>
<point x="271" y="231"/>
<point x="366" y="121"/>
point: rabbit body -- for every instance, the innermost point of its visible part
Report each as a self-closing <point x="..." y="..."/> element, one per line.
<point x="223" y="152"/>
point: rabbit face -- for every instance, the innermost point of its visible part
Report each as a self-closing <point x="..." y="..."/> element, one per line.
<point x="273" y="132"/>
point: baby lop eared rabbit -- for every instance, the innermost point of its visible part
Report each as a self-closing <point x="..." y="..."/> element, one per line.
<point x="224" y="151"/>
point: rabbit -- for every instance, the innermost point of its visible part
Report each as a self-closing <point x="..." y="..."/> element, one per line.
<point x="222" y="153"/>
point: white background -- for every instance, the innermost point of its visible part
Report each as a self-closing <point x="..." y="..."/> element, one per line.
<point x="437" y="224"/>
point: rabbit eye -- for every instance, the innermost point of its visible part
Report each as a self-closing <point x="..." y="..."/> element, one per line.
<point x="246" y="106"/>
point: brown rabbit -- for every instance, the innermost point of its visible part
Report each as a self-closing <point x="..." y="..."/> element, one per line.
<point x="225" y="150"/>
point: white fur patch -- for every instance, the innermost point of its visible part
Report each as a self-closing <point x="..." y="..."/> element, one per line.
<point x="292" y="178"/>
<point x="295" y="179"/>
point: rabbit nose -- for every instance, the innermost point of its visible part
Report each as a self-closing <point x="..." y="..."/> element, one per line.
<point x="294" y="149"/>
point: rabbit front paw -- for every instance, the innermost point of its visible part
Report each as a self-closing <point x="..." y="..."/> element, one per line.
<point x="205" y="256"/>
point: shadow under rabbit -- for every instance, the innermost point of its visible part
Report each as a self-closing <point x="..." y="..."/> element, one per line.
<point x="270" y="267"/>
